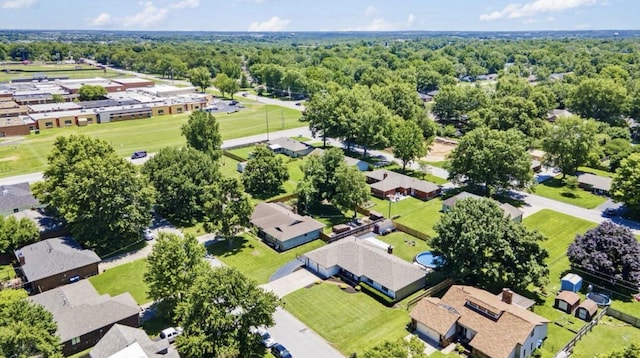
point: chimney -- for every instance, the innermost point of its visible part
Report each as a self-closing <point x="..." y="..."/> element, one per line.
<point x="384" y="176"/>
<point x="21" y="258"/>
<point x="507" y="295"/>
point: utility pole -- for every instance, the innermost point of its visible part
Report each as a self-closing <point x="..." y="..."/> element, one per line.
<point x="266" y="112"/>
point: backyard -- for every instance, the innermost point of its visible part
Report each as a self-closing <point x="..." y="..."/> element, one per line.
<point x="414" y="213"/>
<point x="123" y="278"/>
<point x="351" y="322"/>
<point x="404" y="245"/>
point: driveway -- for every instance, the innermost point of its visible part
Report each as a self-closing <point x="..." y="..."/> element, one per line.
<point x="290" y="283"/>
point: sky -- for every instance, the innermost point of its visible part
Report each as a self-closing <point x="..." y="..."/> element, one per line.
<point x="321" y="15"/>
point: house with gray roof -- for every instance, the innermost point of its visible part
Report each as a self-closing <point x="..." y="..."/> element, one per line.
<point x="359" y="261"/>
<point x="283" y="229"/>
<point x="83" y="316"/>
<point x="509" y="210"/>
<point x="385" y="183"/>
<point x="48" y="226"/>
<point x="596" y="183"/>
<point x="352" y="162"/>
<point x="125" y="341"/>
<point x="291" y="147"/>
<point x="55" y="262"/>
<point x="15" y="198"/>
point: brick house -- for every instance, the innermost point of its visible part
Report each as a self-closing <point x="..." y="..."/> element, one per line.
<point x="385" y="183"/>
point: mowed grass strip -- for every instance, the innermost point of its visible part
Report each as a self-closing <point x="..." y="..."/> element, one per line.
<point x="351" y="322"/>
<point x="254" y="258"/>
<point x="554" y="189"/>
<point x="123" y="278"/>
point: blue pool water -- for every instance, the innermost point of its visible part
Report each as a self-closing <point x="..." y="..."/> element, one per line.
<point x="426" y="259"/>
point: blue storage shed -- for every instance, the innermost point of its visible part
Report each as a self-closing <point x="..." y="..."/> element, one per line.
<point x="571" y="282"/>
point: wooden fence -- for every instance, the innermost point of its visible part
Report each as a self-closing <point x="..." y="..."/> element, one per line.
<point x="443" y="285"/>
<point x="566" y="350"/>
<point x="624" y="317"/>
<point x="412" y="232"/>
<point x="227" y="153"/>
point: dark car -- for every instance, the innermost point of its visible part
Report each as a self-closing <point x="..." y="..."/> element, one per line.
<point x="139" y="154"/>
<point x="609" y="212"/>
<point x="278" y="350"/>
<point x="233" y="103"/>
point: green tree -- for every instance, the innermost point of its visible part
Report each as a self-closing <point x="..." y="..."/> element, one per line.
<point x="181" y="177"/>
<point x="202" y="133"/>
<point x="453" y="102"/>
<point x="57" y="98"/>
<point x="226" y="85"/>
<point x="626" y="183"/>
<point x="200" y="77"/>
<point x="244" y="81"/>
<point x="408" y="143"/>
<point x="321" y="115"/>
<point x="568" y="143"/>
<point x="26" y="328"/>
<point x="91" y="92"/>
<point x="227" y="209"/>
<point x="172" y="268"/>
<point x="413" y="348"/>
<point x="491" y="158"/>
<point x="478" y="244"/>
<point x="351" y="189"/>
<point x="217" y="314"/>
<point x="601" y="99"/>
<point x="320" y="178"/>
<point x="102" y="197"/>
<point x="265" y="173"/>
<point x="16" y="233"/>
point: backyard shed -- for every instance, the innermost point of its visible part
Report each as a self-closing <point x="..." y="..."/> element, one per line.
<point x="571" y="282"/>
<point x="384" y="227"/>
<point x="566" y="301"/>
<point x="587" y="310"/>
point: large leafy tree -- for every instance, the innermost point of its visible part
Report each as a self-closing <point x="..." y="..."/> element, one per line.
<point x="413" y="348"/>
<point x="608" y="249"/>
<point x="491" y="158"/>
<point x="202" y="133"/>
<point x="26" y="329"/>
<point x="477" y="243"/>
<point x="408" y="143"/>
<point x="599" y="98"/>
<point x="265" y="173"/>
<point x="321" y="115"/>
<point x="200" y="77"/>
<point x="181" y="177"/>
<point x="172" y="267"/>
<point x="568" y="143"/>
<point x="217" y="314"/>
<point x="351" y="189"/>
<point x="453" y="102"/>
<point x="320" y="178"/>
<point x="226" y="84"/>
<point x="227" y="209"/>
<point x="626" y="183"/>
<point x="16" y="233"/>
<point x="91" y="92"/>
<point x="103" y="197"/>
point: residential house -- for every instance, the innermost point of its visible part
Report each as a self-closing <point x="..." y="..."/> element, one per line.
<point x="15" y="198"/>
<point x="55" y="262"/>
<point x="595" y="183"/>
<point x="385" y="183"/>
<point x="83" y="316"/>
<point x="124" y="341"/>
<point x="566" y="301"/>
<point x="586" y="310"/>
<point x="509" y="210"/>
<point x="357" y="260"/>
<point x="352" y="162"/>
<point x="557" y="113"/>
<point x="291" y="147"/>
<point x="491" y="326"/>
<point x="48" y="226"/>
<point x="283" y="229"/>
<point x="427" y="97"/>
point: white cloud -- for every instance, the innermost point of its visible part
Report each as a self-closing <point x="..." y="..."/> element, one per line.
<point x="551" y="18"/>
<point x="411" y="19"/>
<point x="375" y="25"/>
<point x="18" y="4"/>
<point x="102" y="20"/>
<point x="583" y="26"/>
<point x="514" y="11"/>
<point x="149" y="17"/>
<point x="370" y="11"/>
<point x="273" y="24"/>
<point x="186" y="4"/>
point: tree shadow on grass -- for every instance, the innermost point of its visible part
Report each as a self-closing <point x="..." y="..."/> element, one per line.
<point x="221" y="248"/>
<point x="329" y="213"/>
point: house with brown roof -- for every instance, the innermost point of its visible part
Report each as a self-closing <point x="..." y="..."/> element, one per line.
<point x="83" y="316"/>
<point x="595" y="183"/>
<point x="586" y="310"/>
<point x="359" y="261"/>
<point x="385" y="183"/>
<point x="283" y="229"/>
<point x="491" y="326"/>
<point x="566" y="301"/>
<point x="509" y="210"/>
<point x="291" y="147"/>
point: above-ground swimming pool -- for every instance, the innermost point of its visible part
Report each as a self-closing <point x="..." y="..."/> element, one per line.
<point x="599" y="298"/>
<point x="426" y="259"/>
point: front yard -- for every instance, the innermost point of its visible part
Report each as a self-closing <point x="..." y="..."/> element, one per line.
<point x="554" y="188"/>
<point x="123" y="278"/>
<point x="352" y="322"/>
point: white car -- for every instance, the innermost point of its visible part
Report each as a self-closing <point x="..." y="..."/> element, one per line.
<point x="171" y="333"/>
<point x="265" y="337"/>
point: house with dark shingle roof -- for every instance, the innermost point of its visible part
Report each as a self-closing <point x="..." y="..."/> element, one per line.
<point x="48" y="226"/>
<point x="491" y="326"/>
<point x="385" y="183"/>
<point x="15" y="198"/>
<point x="83" y="316"/>
<point x="361" y="262"/>
<point x="596" y="183"/>
<point x="283" y="229"/>
<point x="55" y="262"/>
<point x="125" y="341"/>
<point x="291" y="147"/>
<point x="509" y="210"/>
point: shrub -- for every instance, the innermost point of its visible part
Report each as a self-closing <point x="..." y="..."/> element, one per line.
<point x="343" y="286"/>
<point x="379" y="296"/>
<point x="358" y="288"/>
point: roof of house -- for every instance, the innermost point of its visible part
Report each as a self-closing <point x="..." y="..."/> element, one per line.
<point x="281" y="223"/>
<point x="53" y="256"/>
<point x="288" y="143"/>
<point x="508" y="209"/>
<point x="78" y="309"/>
<point x="518" y="300"/>
<point x="389" y="180"/>
<point x="495" y="337"/>
<point x="590" y="306"/>
<point x="569" y="297"/>
<point x="44" y="222"/>
<point x="361" y="259"/>
<point x="119" y="337"/>
<point x="431" y="307"/>
<point x="16" y="196"/>
<point x="595" y="181"/>
<point x="349" y="160"/>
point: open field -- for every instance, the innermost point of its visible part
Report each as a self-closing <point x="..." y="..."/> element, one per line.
<point x="123" y="278"/>
<point x="351" y="322"/>
<point x="554" y="189"/>
<point x="150" y="134"/>
<point x="19" y="71"/>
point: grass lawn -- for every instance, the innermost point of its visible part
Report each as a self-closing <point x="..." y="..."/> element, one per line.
<point x="602" y="173"/>
<point x="302" y="139"/>
<point x="243" y="151"/>
<point x="554" y="189"/>
<point x="84" y="73"/>
<point x="294" y="167"/>
<point x="29" y="155"/>
<point x="351" y="322"/>
<point x="254" y="258"/>
<point x="229" y="167"/>
<point x="7" y="272"/>
<point x="414" y="213"/>
<point x="437" y="164"/>
<point x="401" y="248"/>
<point x="608" y="335"/>
<point x="123" y="278"/>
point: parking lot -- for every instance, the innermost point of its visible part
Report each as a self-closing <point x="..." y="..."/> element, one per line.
<point x="223" y="106"/>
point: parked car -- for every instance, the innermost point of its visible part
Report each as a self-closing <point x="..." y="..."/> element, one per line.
<point x="232" y="111"/>
<point x="244" y="94"/>
<point x="610" y="212"/>
<point x="233" y="102"/>
<point x="139" y="154"/>
<point x="148" y="234"/>
<point x="279" y="351"/>
<point x="171" y="333"/>
<point x="266" y="339"/>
